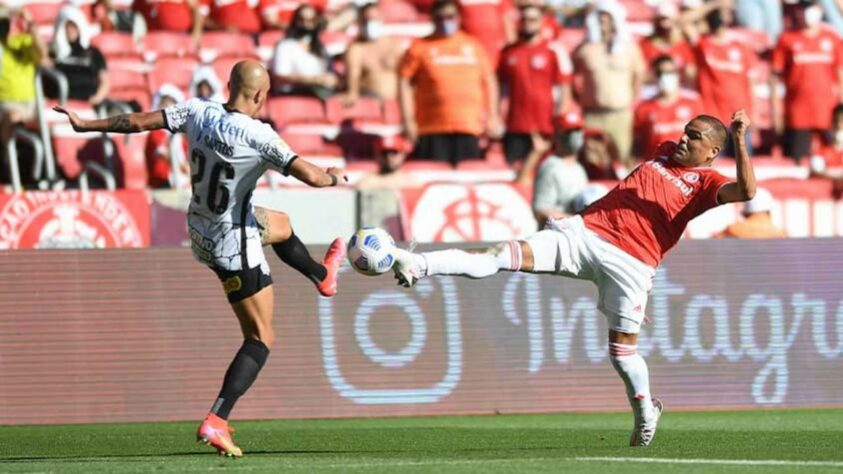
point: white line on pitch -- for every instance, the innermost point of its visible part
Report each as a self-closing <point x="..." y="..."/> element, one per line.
<point x="735" y="462"/>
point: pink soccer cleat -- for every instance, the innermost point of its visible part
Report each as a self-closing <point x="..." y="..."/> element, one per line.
<point x="215" y="432"/>
<point x="332" y="262"/>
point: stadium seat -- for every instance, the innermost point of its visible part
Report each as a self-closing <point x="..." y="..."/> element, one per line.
<point x="115" y="44"/>
<point x="125" y="76"/>
<point x="168" y="43"/>
<point x="391" y="112"/>
<point x="481" y="165"/>
<point x="570" y="38"/>
<point x="270" y="38"/>
<point x="638" y="11"/>
<point x="305" y="143"/>
<point x="398" y="11"/>
<point x="169" y="70"/>
<point x="130" y="151"/>
<point x="43" y="13"/>
<point x="228" y="44"/>
<point x="140" y="95"/>
<point x="365" y="109"/>
<point x="286" y="110"/>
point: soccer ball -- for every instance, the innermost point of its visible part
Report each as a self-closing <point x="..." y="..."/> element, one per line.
<point x="370" y="251"/>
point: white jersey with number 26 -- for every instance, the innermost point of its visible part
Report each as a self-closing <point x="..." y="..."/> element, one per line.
<point x="229" y="152"/>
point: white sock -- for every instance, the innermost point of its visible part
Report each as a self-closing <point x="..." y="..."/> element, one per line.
<point x="473" y="265"/>
<point x="633" y="370"/>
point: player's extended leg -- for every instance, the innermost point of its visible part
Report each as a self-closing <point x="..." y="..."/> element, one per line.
<point x="277" y="231"/>
<point x="255" y="316"/>
<point x="628" y="363"/>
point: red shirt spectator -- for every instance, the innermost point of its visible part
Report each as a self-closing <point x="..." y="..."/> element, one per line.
<point x="490" y="22"/>
<point x="232" y="15"/>
<point x="724" y="65"/>
<point x="658" y="120"/>
<point x="531" y="71"/>
<point x="168" y="15"/>
<point x="809" y="61"/>
<point x="681" y="51"/>
<point x="277" y="14"/>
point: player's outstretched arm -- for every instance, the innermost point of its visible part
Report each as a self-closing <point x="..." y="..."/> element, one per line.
<point x="744" y="188"/>
<point x="315" y="176"/>
<point x="124" y="123"/>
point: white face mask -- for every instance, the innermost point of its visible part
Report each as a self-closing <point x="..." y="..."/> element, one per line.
<point x="669" y="83"/>
<point x="449" y="27"/>
<point x="838" y="138"/>
<point x="373" y="29"/>
<point x="813" y="15"/>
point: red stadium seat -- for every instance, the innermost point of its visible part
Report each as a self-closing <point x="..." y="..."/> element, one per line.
<point x="270" y="38"/>
<point x="638" y="11"/>
<point x="286" y="110"/>
<point x="481" y="165"/>
<point x="398" y="11"/>
<point x="115" y="44"/>
<point x="391" y="112"/>
<point x="128" y="94"/>
<point x="168" y="43"/>
<point x="43" y="13"/>
<point x="365" y="109"/>
<point x="305" y="143"/>
<point x="570" y="38"/>
<point x="176" y="71"/>
<point x="131" y="164"/>
<point x="228" y="44"/>
<point x="120" y="78"/>
<point x="73" y="150"/>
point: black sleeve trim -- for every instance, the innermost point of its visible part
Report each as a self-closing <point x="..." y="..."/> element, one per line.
<point x="286" y="170"/>
<point x="166" y="122"/>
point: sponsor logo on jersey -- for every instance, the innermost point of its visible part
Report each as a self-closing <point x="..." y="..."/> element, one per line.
<point x="69" y="219"/>
<point x="230" y="285"/>
<point x="691" y="177"/>
<point x="675" y="180"/>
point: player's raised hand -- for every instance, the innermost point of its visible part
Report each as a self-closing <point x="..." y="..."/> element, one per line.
<point x="339" y="173"/>
<point x="75" y="121"/>
<point x="740" y="122"/>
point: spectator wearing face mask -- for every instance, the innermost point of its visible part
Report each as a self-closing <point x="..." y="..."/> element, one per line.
<point x="205" y="84"/>
<point x="667" y="39"/>
<point x="300" y="65"/>
<point x="727" y="74"/>
<point x="809" y="59"/>
<point x="448" y="91"/>
<point x="612" y="70"/>
<point x="372" y="59"/>
<point x="663" y="117"/>
<point x="560" y="178"/>
<point x="530" y="69"/>
<point x="82" y="64"/>
<point x="164" y="147"/>
<point x="827" y="163"/>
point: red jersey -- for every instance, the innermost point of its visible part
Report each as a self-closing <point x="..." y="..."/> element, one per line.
<point x="280" y="10"/>
<point x="680" y="51"/>
<point x="723" y="76"/>
<point x="157" y="169"/>
<point x="831" y="158"/>
<point x="167" y="15"/>
<point x="809" y="66"/>
<point x="484" y="19"/>
<point x="657" y="122"/>
<point x="234" y="13"/>
<point x="530" y="71"/>
<point x="646" y="214"/>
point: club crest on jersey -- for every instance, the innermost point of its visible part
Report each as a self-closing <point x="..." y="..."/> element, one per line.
<point x="675" y="180"/>
<point x="690" y="177"/>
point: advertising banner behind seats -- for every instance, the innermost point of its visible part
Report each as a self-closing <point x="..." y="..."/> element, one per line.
<point x="736" y="324"/>
<point x="73" y="219"/>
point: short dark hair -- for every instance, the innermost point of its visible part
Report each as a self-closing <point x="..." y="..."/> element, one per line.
<point x="838" y="110"/>
<point x="441" y="4"/>
<point x="368" y="6"/>
<point x="719" y="133"/>
<point x="661" y="59"/>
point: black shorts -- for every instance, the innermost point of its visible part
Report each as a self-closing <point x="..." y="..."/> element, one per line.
<point x="797" y="143"/>
<point x="448" y="147"/>
<point x="516" y="146"/>
<point x="242" y="284"/>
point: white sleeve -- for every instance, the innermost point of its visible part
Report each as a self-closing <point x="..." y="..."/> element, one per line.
<point x="177" y="115"/>
<point x="275" y="153"/>
<point x="283" y="62"/>
<point x="817" y="164"/>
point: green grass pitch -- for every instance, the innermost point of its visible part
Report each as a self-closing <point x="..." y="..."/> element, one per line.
<point x="745" y="441"/>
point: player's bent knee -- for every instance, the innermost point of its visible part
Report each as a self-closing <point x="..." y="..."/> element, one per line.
<point x="527" y="260"/>
<point x="622" y="337"/>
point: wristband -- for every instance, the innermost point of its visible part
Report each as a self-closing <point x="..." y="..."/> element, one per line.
<point x="334" y="180"/>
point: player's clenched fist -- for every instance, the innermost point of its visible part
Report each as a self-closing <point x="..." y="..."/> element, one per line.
<point x="740" y="122"/>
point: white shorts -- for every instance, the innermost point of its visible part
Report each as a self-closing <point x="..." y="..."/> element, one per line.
<point x="567" y="247"/>
<point x="223" y="245"/>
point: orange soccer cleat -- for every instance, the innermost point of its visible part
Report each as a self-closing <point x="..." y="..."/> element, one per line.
<point x="332" y="262"/>
<point x="215" y="432"/>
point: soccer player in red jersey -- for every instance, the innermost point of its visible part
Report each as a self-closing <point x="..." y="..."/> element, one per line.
<point x="617" y="243"/>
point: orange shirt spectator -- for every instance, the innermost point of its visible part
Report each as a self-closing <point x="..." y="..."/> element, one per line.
<point x="758" y="223"/>
<point x="447" y="74"/>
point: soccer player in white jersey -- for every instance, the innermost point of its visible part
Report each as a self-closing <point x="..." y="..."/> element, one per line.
<point x="617" y="243"/>
<point x="229" y="151"/>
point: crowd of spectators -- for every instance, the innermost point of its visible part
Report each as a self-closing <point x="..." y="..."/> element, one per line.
<point x="493" y="74"/>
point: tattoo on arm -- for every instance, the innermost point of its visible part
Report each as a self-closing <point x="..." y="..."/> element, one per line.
<point x="120" y="124"/>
